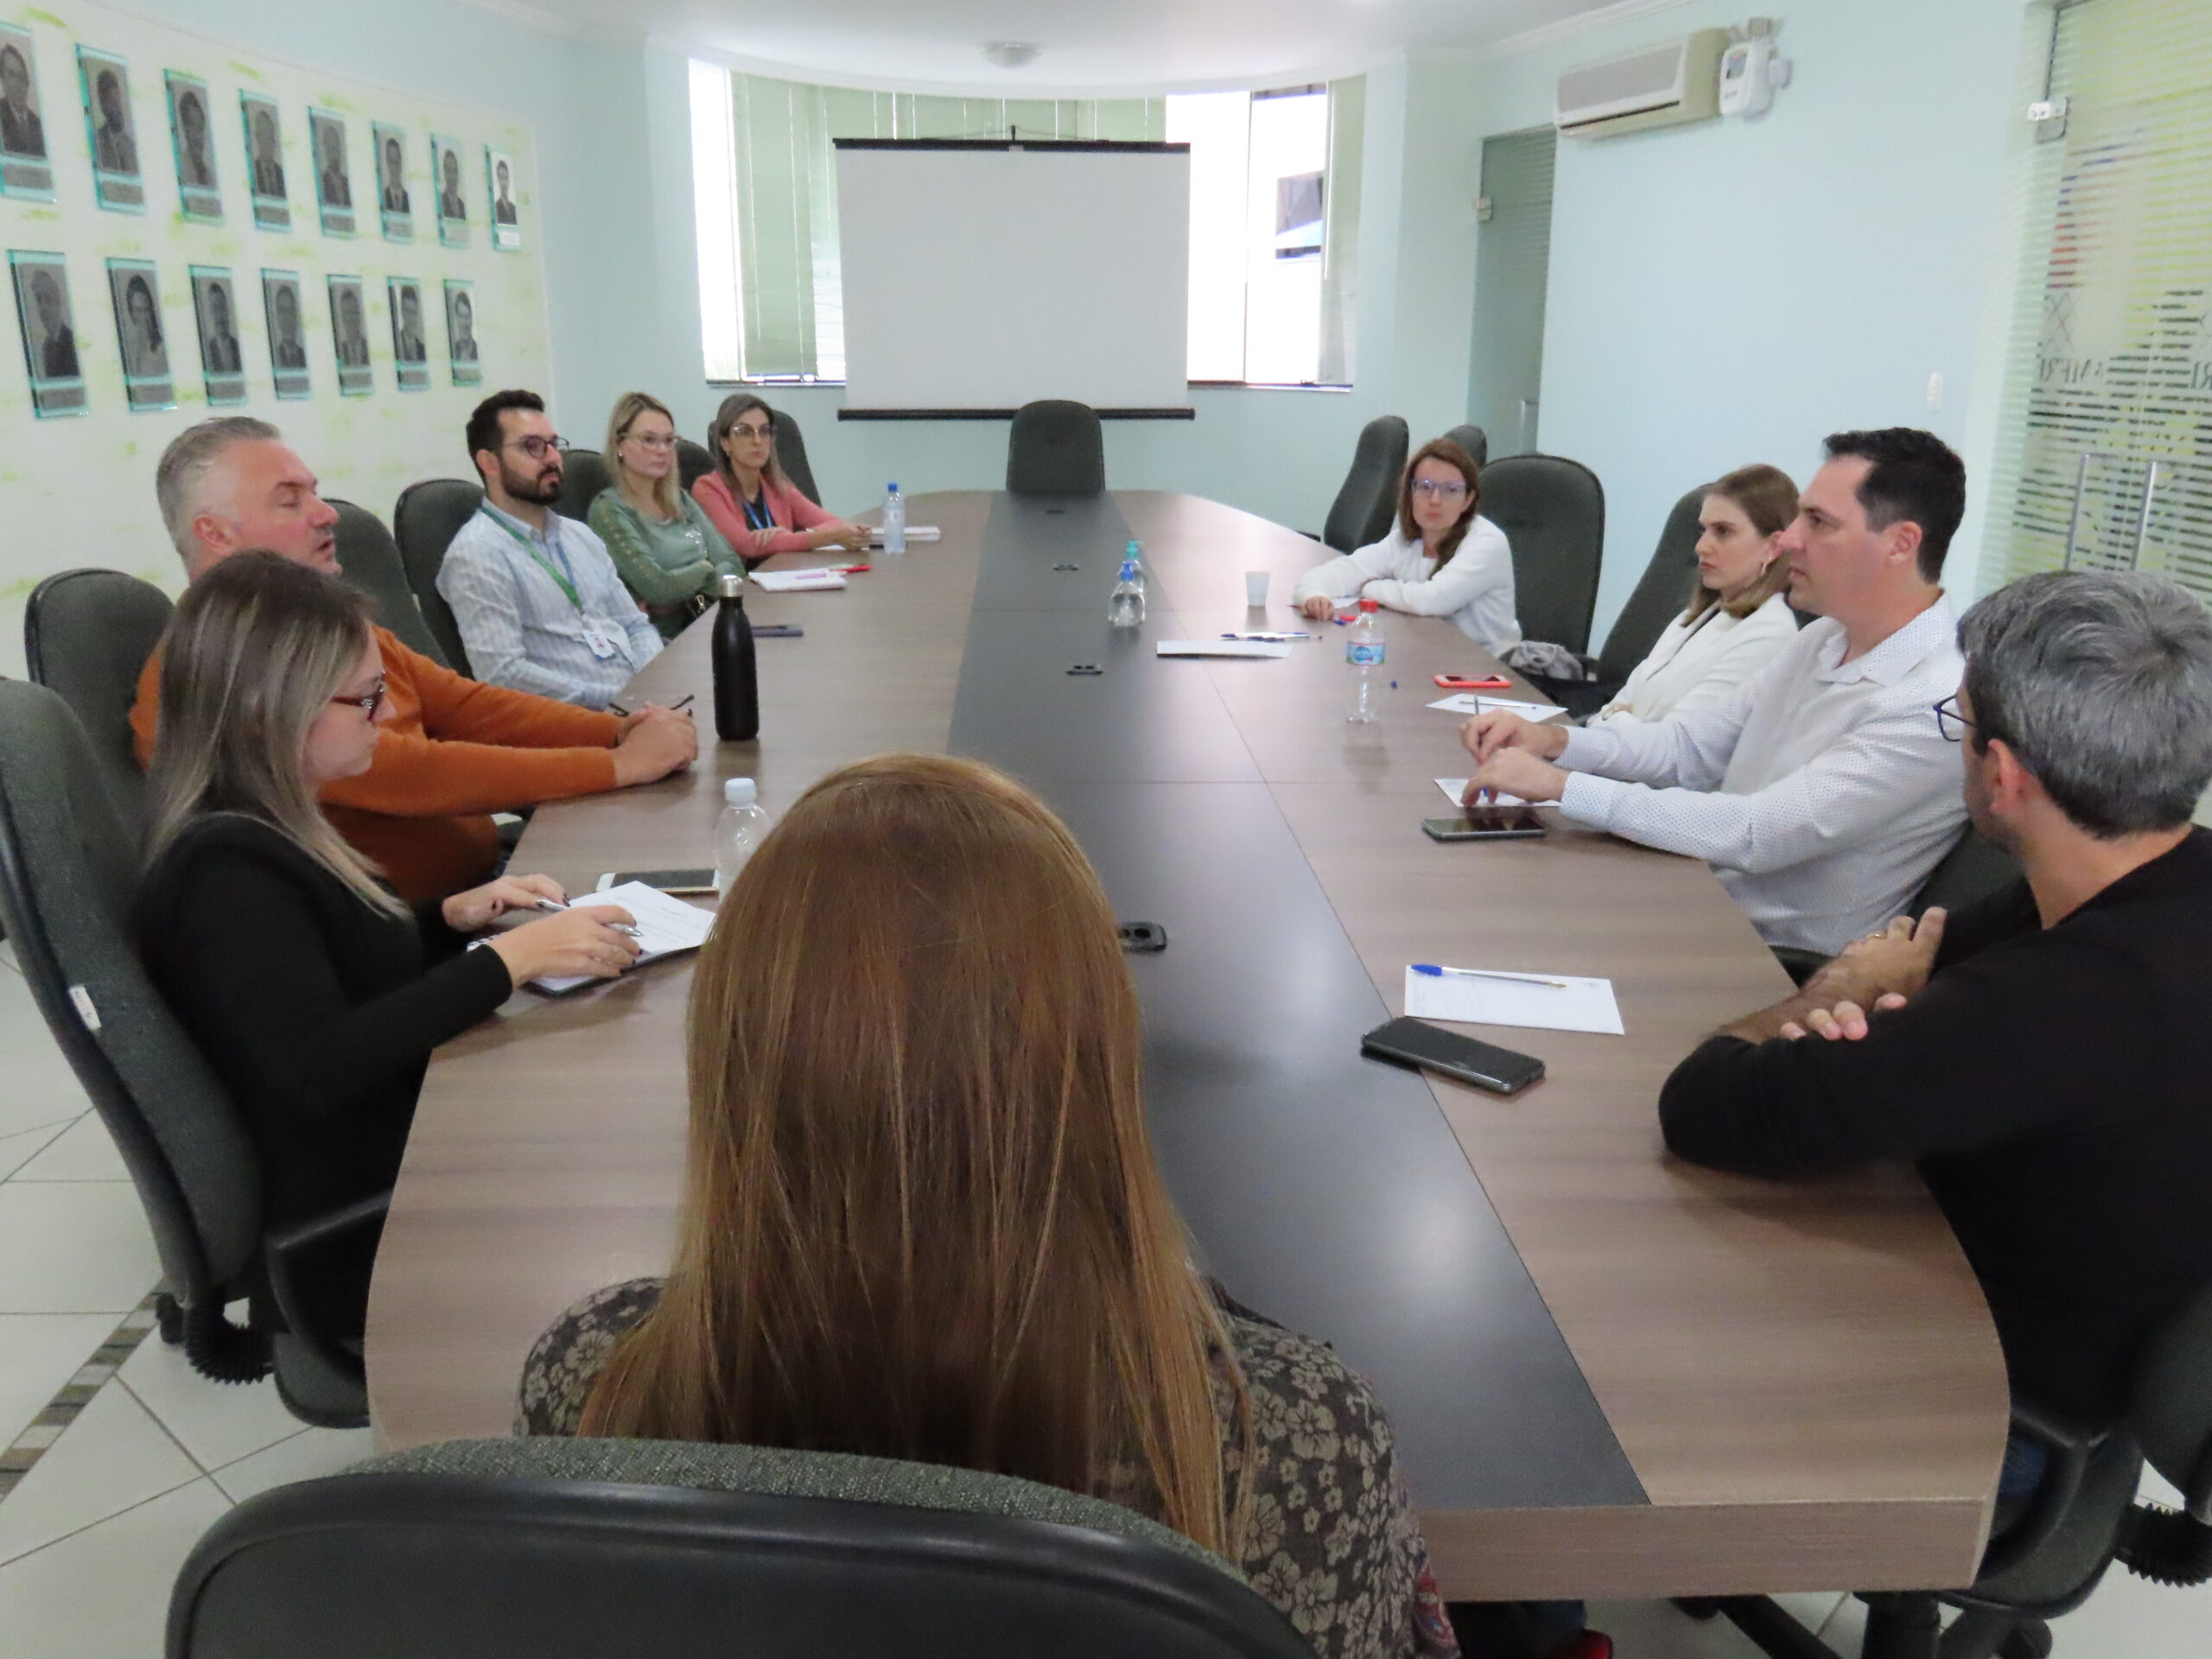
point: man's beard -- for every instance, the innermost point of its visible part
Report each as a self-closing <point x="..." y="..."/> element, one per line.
<point x="544" y="489"/>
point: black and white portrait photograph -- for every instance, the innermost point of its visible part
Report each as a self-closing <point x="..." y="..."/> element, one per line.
<point x="137" y="294"/>
<point x="192" y="136"/>
<point x="349" y="331"/>
<point x="410" y="350"/>
<point x="334" y="175"/>
<point x="117" y="183"/>
<point x="215" y="307"/>
<point x="288" y="347"/>
<point x="453" y="205"/>
<point x="265" y="161"/>
<point x="461" y="351"/>
<point x="507" y="217"/>
<point x="24" y="168"/>
<point x="41" y="282"/>
<point x="394" y="201"/>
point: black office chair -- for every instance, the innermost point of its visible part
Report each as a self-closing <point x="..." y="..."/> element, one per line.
<point x="2046" y="1558"/>
<point x="1474" y="441"/>
<point x="790" y="455"/>
<point x="69" y="876"/>
<point x="1055" y="447"/>
<point x="576" y="1550"/>
<point x="1368" y="498"/>
<point x="1972" y="870"/>
<point x="1662" y="593"/>
<point x="87" y="635"/>
<point x="583" y="475"/>
<point x="693" y="462"/>
<point x="370" y="559"/>
<point x="424" y="521"/>
<point x="1552" y="511"/>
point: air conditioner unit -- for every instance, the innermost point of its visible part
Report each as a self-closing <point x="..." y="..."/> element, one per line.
<point x="1661" y="85"/>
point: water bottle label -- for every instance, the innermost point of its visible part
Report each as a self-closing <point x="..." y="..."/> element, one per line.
<point x="1364" y="656"/>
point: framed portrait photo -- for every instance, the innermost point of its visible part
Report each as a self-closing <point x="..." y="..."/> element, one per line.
<point x="462" y="352"/>
<point x="287" y="345"/>
<point x="500" y="186"/>
<point x="118" y="183"/>
<point x="410" y="345"/>
<point x="137" y="290"/>
<point x="57" y="372"/>
<point x="25" y="170"/>
<point x="265" y="161"/>
<point x="395" y="197"/>
<point x="349" y="334"/>
<point x="192" y="136"/>
<point x="215" y="308"/>
<point x="334" y="171"/>
<point x="445" y="179"/>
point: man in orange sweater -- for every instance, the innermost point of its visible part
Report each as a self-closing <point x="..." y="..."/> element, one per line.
<point x="454" y="752"/>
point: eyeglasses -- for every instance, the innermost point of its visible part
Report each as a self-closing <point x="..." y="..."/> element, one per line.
<point x="368" y="705"/>
<point x="537" y="448"/>
<point x="1954" y="724"/>
<point x="742" y="431"/>
<point x="1450" y="490"/>
<point x="650" y="440"/>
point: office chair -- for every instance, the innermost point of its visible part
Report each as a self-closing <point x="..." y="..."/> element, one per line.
<point x="565" y="1549"/>
<point x="1662" y="594"/>
<point x="1368" y="498"/>
<point x="1055" y="447"/>
<point x="87" y="635"/>
<point x="369" y="558"/>
<point x="2047" y="1559"/>
<point x="69" y="876"/>
<point x="693" y="462"/>
<point x="1553" y="511"/>
<point x="583" y="475"/>
<point x="1973" y="868"/>
<point x="790" y="455"/>
<point x="1474" y="441"/>
<point x="424" y="521"/>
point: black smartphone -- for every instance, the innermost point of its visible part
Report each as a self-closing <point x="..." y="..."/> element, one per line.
<point x="1432" y="1048"/>
<point x="677" y="881"/>
<point x="1486" y="824"/>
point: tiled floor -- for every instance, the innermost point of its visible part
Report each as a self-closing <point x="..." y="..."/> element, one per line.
<point x="90" y="1539"/>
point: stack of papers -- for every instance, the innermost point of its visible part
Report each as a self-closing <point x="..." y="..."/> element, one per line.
<point x="1221" y="648"/>
<point x="666" y="925"/>
<point x="1569" y="1005"/>
<point x="1466" y="702"/>
<point x="799" y="582"/>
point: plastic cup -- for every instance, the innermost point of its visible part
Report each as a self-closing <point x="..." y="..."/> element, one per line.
<point x="1255" y="589"/>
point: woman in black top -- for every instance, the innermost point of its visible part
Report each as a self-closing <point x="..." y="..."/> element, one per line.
<point x="315" y="994"/>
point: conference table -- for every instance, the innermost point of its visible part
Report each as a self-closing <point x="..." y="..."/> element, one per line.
<point x="1609" y="1373"/>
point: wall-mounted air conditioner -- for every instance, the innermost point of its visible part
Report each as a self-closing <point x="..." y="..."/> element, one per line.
<point x="1661" y="85"/>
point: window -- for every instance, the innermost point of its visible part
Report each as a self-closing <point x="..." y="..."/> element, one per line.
<point x="1273" y="256"/>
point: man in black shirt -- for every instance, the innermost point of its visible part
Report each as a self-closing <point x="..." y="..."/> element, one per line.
<point x="2043" y="1055"/>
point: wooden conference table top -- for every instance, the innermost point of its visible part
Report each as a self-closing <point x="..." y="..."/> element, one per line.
<point x="1611" y="1373"/>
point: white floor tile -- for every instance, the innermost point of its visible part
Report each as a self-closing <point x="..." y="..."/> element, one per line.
<point x="103" y="1593"/>
<point x="311" y="1452"/>
<point x="41" y="1089"/>
<point x="39" y="1352"/>
<point x="217" y="1422"/>
<point x="84" y="1152"/>
<point x="112" y="1457"/>
<point x="74" y="1247"/>
<point x="18" y="1149"/>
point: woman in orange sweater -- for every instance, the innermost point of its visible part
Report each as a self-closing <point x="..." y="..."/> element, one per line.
<point x="757" y="509"/>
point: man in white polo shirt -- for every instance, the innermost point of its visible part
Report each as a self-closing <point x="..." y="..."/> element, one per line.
<point x="1821" y="790"/>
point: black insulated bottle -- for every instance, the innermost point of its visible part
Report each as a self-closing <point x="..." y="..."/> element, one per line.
<point x="737" y="689"/>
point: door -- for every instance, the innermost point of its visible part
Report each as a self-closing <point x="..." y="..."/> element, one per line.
<point x="1512" y="261"/>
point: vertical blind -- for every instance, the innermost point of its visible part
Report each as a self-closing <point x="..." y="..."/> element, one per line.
<point x="2104" y="456"/>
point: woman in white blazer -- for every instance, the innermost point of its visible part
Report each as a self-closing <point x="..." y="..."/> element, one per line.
<point x="1738" y="616"/>
<point x="1442" y="559"/>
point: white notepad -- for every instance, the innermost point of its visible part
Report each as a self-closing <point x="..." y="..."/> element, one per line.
<point x="1582" y="1005"/>
<point x="666" y="925"/>
<point x="799" y="582"/>
<point x="1221" y="648"/>
<point x="1456" y="787"/>
<point x="1466" y="702"/>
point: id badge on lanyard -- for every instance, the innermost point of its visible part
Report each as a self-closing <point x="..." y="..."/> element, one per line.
<point x="597" y="640"/>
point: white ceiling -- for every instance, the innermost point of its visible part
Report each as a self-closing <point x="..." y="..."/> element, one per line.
<point x="1088" y="45"/>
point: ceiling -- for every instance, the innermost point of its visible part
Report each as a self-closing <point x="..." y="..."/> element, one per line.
<point x="1120" y="44"/>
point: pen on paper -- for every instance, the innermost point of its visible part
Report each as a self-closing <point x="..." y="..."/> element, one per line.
<point x="690" y="697"/>
<point x="619" y="927"/>
<point x="1431" y="969"/>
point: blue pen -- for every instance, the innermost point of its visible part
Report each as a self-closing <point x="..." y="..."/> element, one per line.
<point x="1435" y="972"/>
<point x="1272" y="639"/>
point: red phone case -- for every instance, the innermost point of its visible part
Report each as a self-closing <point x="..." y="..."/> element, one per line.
<point x="1461" y="682"/>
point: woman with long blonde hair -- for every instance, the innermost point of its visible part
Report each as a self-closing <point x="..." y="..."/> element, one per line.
<point x="922" y="1217"/>
<point x="665" y="548"/>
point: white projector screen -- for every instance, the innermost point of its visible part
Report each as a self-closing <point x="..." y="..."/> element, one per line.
<point x="980" y="279"/>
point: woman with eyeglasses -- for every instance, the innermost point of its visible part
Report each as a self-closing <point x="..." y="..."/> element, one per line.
<point x="314" y="993"/>
<point x="1443" y="558"/>
<point x="665" y="547"/>
<point x="752" y="500"/>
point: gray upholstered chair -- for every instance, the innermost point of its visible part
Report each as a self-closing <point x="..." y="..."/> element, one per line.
<point x="68" y="877"/>
<point x="1474" y="441"/>
<point x="573" y="1549"/>
<point x="790" y="455"/>
<point x="693" y="462"/>
<point x="1553" y="511"/>
<point x="1055" y="447"/>
<point x="424" y="521"/>
<point x="1368" y="498"/>
<point x="583" y="475"/>
<point x="370" y="559"/>
<point x="87" y="635"/>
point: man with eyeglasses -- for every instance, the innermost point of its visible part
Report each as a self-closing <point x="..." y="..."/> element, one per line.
<point x="538" y="602"/>
<point x="453" y="751"/>
<point x="1820" y="790"/>
<point x="2041" y="1054"/>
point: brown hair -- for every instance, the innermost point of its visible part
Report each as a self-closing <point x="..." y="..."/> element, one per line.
<point x="1451" y="455"/>
<point x="667" y="490"/>
<point x="736" y="404"/>
<point x="921" y="1217"/>
<point x="1768" y="497"/>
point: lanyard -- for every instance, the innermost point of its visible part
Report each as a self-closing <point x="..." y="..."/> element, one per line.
<point x="566" y="583"/>
<point x="757" y="516"/>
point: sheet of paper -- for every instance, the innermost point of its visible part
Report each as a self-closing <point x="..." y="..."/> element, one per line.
<point x="1221" y="648"/>
<point x="1583" y="1005"/>
<point x="1466" y="702"/>
<point x="798" y="581"/>
<point x="666" y="925"/>
<point x="1455" y="787"/>
<point x="914" y="533"/>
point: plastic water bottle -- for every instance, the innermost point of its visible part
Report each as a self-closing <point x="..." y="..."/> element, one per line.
<point x="738" y="831"/>
<point x="1125" y="605"/>
<point x="1133" y="558"/>
<point x="1364" y="649"/>
<point x="737" y="689"/>
<point x="894" y="521"/>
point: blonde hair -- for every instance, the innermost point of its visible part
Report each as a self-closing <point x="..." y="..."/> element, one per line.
<point x="921" y="1215"/>
<point x="251" y="656"/>
<point x="667" y="489"/>
<point x="1766" y="496"/>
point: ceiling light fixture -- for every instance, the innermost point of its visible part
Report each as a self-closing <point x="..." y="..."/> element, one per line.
<point x="1012" y="55"/>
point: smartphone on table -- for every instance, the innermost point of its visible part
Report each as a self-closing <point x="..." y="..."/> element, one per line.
<point x="681" y="883"/>
<point x="1486" y="824"/>
<point x="1432" y="1048"/>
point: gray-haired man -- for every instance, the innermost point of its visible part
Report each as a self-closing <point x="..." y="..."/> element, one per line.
<point x="2042" y="1055"/>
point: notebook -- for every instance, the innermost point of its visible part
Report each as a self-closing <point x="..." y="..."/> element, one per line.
<point x="666" y="925"/>
<point x="798" y="581"/>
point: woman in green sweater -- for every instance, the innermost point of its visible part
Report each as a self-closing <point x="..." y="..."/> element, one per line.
<point x="667" y="549"/>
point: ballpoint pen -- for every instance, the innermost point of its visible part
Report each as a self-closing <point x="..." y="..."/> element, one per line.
<point x="1275" y="638"/>
<point x="1433" y="971"/>
<point x="619" y="927"/>
<point x="690" y="697"/>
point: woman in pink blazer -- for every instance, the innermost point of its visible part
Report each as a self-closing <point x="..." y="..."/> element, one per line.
<point x="758" y="510"/>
